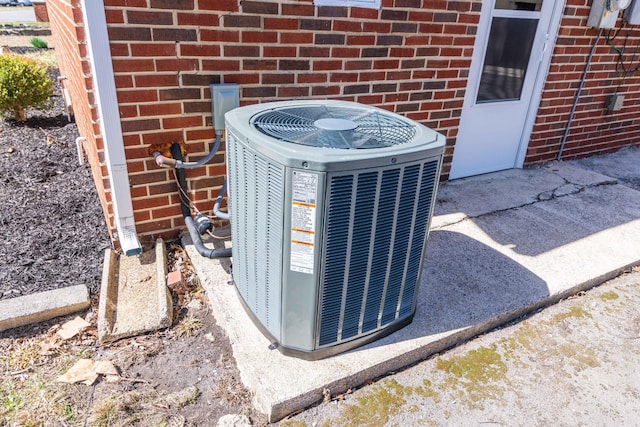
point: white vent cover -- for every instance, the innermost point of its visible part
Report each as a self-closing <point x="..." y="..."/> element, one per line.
<point x="330" y="206"/>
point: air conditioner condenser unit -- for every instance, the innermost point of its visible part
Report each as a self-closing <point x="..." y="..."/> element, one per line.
<point x="330" y="207"/>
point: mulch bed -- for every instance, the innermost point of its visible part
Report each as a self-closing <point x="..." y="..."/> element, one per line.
<point x="51" y="222"/>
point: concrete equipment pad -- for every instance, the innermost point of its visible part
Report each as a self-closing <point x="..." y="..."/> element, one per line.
<point x="501" y="245"/>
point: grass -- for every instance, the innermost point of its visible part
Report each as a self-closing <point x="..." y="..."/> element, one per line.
<point x="189" y="325"/>
<point x="37" y="42"/>
<point x="30" y="394"/>
<point x="13" y="41"/>
<point x="138" y="405"/>
<point x="48" y="57"/>
<point x="27" y="397"/>
<point x="107" y="412"/>
<point x="45" y="55"/>
<point x="20" y="356"/>
<point x="32" y="25"/>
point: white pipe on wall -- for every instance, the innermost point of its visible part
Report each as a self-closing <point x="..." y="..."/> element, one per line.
<point x="104" y="86"/>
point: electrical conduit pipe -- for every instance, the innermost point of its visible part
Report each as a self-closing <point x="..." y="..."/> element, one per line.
<point x="577" y="97"/>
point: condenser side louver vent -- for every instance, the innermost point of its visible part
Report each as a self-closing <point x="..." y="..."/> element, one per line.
<point x="257" y="271"/>
<point x="372" y="258"/>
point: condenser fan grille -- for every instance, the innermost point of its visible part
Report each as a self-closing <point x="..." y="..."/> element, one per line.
<point x="334" y="127"/>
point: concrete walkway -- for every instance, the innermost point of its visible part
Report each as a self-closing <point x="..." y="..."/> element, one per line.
<point x="501" y="245"/>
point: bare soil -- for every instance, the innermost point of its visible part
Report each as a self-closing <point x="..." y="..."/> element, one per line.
<point x="54" y="236"/>
<point x="182" y="376"/>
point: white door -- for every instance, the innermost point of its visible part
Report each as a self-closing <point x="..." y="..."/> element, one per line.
<point x="509" y="63"/>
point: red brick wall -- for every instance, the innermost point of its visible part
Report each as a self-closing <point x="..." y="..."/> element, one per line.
<point x="593" y="130"/>
<point x="40" y="10"/>
<point x="410" y="57"/>
<point x="68" y="37"/>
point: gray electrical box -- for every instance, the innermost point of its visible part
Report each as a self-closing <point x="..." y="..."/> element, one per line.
<point x="224" y="98"/>
<point x="614" y="102"/>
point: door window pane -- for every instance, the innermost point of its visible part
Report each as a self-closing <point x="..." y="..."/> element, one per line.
<point x="532" y="5"/>
<point x="506" y="59"/>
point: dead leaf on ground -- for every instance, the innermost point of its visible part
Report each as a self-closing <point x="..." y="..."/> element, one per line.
<point x="53" y="329"/>
<point x="73" y="328"/>
<point x="49" y="345"/>
<point x="87" y="371"/>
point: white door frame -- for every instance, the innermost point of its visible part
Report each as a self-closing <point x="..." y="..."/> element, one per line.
<point x="541" y="79"/>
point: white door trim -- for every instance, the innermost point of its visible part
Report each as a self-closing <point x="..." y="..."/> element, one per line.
<point x="541" y="79"/>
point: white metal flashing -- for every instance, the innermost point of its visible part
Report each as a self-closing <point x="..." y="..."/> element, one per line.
<point x="95" y="24"/>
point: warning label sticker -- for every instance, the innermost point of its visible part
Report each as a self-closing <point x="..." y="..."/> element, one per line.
<point x="303" y="221"/>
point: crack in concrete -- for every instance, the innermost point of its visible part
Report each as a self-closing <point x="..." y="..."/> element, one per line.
<point x="544" y="196"/>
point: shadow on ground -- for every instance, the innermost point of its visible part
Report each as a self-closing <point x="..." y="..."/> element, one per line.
<point x="452" y="297"/>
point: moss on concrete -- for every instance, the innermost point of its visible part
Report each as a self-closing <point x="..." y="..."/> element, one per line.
<point x="575" y="312"/>
<point x="374" y="409"/>
<point x="427" y="391"/>
<point x="609" y="296"/>
<point x="480" y="374"/>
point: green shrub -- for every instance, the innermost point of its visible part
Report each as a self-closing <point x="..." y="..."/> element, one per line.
<point x="39" y="43"/>
<point x="23" y="83"/>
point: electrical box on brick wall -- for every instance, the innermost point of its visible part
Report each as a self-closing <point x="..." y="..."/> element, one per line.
<point x="224" y="97"/>
<point x="614" y="102"/>
<point x="632" y="13"/>
<point x="604" y="13"/>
